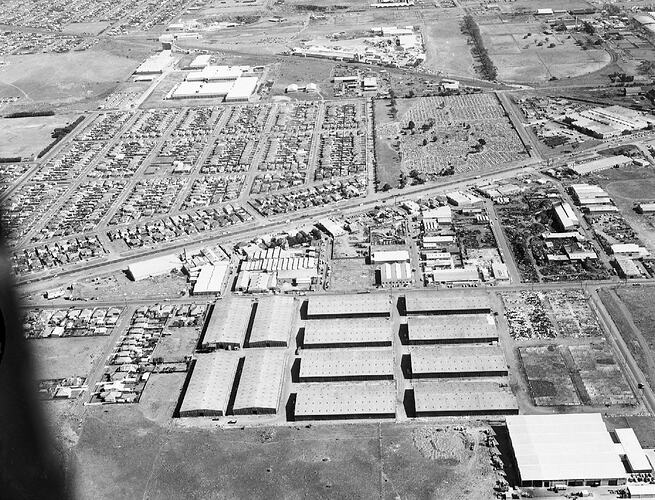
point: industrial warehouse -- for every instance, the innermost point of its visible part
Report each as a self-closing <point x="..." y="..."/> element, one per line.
<point x="273" y="322"/>
<point x="227" y="325"/>
<point x="451" y="361"/>
<point x="442" y="303"/>
<point x="451" y="329"/>
<point x="441" y="398"/>
<point x="260" y="385"/>
<point x="349" y="306"/>
<point x="360" y="332"/>
<point x="345" y="401"/>
<point x="572" y="450"/>
<point x="346" y="364"/>
<point x="210" y="386"/>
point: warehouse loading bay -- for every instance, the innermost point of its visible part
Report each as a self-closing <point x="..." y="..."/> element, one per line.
<point x="402" y="356"/>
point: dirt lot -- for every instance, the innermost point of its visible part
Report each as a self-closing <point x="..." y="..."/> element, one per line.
<point x="548" y="376"/>
<point x="121" y="454"/>
<point x="66" y="357"/>
<point x="351" y="274"/>
<point x="117" y="286"/>
<point x="26" y="137"/>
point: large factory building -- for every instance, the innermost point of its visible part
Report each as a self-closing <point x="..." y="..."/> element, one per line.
<point x="349" y="306"/>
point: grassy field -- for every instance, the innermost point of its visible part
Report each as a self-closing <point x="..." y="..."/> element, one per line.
<point x="522" y="52"/>
<point x="66" y="357"/>
<point x="548" y="377"/>
<point x="447" y="49"/>
<point x="60" y="79"/>
<point x="26" y="137"/>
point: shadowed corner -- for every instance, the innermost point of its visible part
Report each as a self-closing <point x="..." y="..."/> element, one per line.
<point x="29" y="468"/>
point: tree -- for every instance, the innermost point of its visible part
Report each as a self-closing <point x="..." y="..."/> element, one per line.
<point x="386" y="187"/>
<point x="425" y="142"/>
<point x="411" y="125"/>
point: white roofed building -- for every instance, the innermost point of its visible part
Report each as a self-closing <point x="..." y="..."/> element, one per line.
<point x="274" y="317"/>
<point x="227" y="324"/>
<point x="574" y="450"/>
<point x="345" y="400"/>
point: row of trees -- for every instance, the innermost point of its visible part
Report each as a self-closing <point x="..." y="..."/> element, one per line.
<point x="471" y="28"/>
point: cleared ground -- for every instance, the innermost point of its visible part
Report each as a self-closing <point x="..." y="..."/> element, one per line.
<point x="447" y="49"/>
<point x="66" y="357"/>
<point x="121" y="453"/>
<point x="26" y="137"/>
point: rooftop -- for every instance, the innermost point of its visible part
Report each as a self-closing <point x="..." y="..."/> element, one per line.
<point x="561" y="447"/>
<point x="451" y="359"/>
<point x="327" y="363"/>
<point x="262" y="378"/>
<point x="462" y="326"/>
<point x="344" y="305"/>
<point x="417" y="302"/>
<point x="273" y="319"/>
<point x="228" y="322"/>
<point x="348" y="331"/>
<point x="354" y="398"/>
<point x="211" y="382"/>
<point x="462" y="396"/>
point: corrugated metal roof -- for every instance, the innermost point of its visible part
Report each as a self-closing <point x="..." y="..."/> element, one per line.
<point x="348" y="331"/>
<point x="416" y="302"/>
<point x="451" y="359"/>
<point x="262" y="379"/>
<point x="561" y="447"/>
<point x="211" y="382"/>
<point x="228" y="322"/>
<point x="340" y="305"/>
<point x="353" y="398"/>
<point x="462" y="396"/>
<point x="273" y="320"/>
<point x="330" y="363"/>
<point x="461" y="326"/>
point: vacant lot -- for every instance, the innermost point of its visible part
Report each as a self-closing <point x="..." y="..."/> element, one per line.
<point x="26" y="137"/>
<point x="602" y="378"/>
<point x="548" y="376"/>
<point x="447" y="49"/>
<point x="351" y="274"/>
<point x="121" y="454"/>
<point x="523" y="52"/>
<point x="59" y="79"/>
<point x="66" y="357"/>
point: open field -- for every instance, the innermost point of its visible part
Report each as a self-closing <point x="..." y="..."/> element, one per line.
<point x="59" y="79"/>
<point x="66" y="357"/>
<point x="26" y="137"/>
<point x="447" y="50"/>
<point x="122" y="453"/>
<point x="640" y="304"/>
<point x="537" y="56"/>
<point x="351" y="274"/>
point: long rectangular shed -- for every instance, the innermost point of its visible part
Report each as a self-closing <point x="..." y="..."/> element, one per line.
<point x="446" y="303"/>
<point x="210" y="385"/>
<point x="349" y="305"/>
<point x="345" y="400"/>
<point x="261" y="382"/>
<point x="227" y="324"/>
<point x="442" y="398"/>
<point x="346" y="364"/>
<point x="452" y="361"/>
<point x="346" y="332"/>
<point x="451" y="329"/>
<point x="274" y="317"/>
